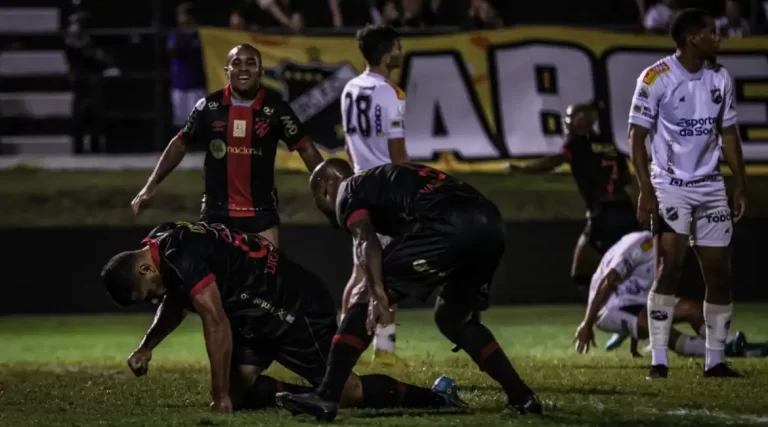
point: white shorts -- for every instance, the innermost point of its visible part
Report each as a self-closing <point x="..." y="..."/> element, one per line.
<point x="620" y="317"/>
<point x="384" y="240"/>
<point x="697" y="208"/>
<point x="183" y="101"/>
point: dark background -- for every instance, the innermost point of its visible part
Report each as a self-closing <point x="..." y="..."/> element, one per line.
<point x="56" y="270"/>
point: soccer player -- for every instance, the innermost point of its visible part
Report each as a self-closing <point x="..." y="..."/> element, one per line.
<point x="239" y="126"/>
<point x="257" y="306"/>
<point x="372" y="112"/>
<point x="685" y="103"/>
<point x="618" y="296"/>
<point x="445" y="235"/>
<point x="602" y="175"/>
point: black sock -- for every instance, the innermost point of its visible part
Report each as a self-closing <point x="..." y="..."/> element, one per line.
<point x="350" y="341"/>
<point x="582" y="285"/>
<point x="262" y="392"/>
<point x="482" y="347"/>
<point x="382" y="391"/>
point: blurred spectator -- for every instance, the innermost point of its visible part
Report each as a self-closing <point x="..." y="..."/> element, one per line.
<point x="187" y="71"/>
<point x="237" y="20"/>
<point x="419" y="13"/>
<point x="87" y="65"/>
<point x="482" y="15"/>
<point x="659" y="17"/>
<point x="732" y="25"/>
<point x="353" y="13"/>
<point x="284" y="13"/>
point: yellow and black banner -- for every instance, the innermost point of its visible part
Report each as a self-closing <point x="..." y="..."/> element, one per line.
<point x="475" y="99"/>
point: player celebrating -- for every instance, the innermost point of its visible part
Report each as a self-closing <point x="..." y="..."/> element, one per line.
<point x="445" y="235"/>
<point x="372" y="111"/>
<point x="240" y="127"/>
<point x="618" y="296"/>
<point x="686" y="103"/>
<point x="257" y="306"/>
<point x="602" y="176"/>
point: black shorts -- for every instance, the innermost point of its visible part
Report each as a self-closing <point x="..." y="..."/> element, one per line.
<point x="609" y="224"/>
<point x="261" y="221"/>
<point x="458" y="253"/>
<point x="304" y="345"/>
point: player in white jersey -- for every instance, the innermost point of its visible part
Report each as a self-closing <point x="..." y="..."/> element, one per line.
<point x="618" y="295"/>
<point x="685" y="103"/>
<point x="373" y="118"/>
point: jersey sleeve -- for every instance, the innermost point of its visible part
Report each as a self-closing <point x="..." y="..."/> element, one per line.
<point x="190" y="133"/>
<point x="390" y="108"/>
<point x="729" y="107"/>
<point x="567" y="150"/>
<point x="293" y="131"/>
<point x="645" y="102"/>
<point x="350" y="205"/>
<point x="632" y="256"/>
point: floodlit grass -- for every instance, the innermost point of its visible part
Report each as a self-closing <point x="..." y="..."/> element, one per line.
<point x="70" y="371"/>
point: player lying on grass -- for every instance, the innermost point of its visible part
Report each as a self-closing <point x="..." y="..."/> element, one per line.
<point x="445" y="235"/>
<point x="618" y="298"/>
<point x="257" y="306"/>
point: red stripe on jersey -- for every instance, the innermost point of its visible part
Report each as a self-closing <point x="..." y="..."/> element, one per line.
<point x="154" y="251"/>
<point x="239" y="161"/>
<point x="356" y="215"/>
<point x="349" y="340"/>
<point x="202" y="284"/>
<point x="302" y="141"/>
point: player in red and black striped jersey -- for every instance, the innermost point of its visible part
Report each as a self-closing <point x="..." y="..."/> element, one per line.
<point x="445" y="235"/>
<point x="257" y="306"/>
<point x="602" y="176"/>
<point x="239" y="127"/>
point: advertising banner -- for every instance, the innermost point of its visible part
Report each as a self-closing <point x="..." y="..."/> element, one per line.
<point x="475" y="99"/>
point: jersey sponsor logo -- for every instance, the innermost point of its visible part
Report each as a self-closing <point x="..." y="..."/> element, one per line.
<point x="217" y="148"/>
<point x="717" y="96"/>
<point x="654" y="72"/>
<point x="396" y="124"/>
<point x="238" y="128"/>
<point x="213" y="105"/>
<point x="647" y="245"/>
<point x="272" y="259"/>
<point x="244" y="150"/>
<point x="702" y="126"/>
<point x="268" y="110"/>
<point x="290" y="127"/>
<point x="723" y="215"/>
<point x="377" y="124"/>
<point x="644" y="93"/>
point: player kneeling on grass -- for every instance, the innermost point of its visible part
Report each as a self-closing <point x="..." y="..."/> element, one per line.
<point x="446" y="236"/>
<point x="618" y="296"/>
<point x="257" y="306"/>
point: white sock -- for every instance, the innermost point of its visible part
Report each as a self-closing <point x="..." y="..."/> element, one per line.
<point x="703" y="333"/>
<point x="661" y="309"/>
<point x="718" y="319"/>
<point x="384" y="339"/>
<point x="687" y="345"/>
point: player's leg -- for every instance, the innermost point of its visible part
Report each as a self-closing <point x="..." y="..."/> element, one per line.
<point x="670" y="246"/>
<point x="585" y="261"/>
<point x="385" y="336"/>
<point x="713" y="229"/>
<point x="680" y="343"/>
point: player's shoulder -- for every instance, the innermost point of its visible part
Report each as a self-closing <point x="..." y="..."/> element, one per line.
<point x="642" y="240"/>
<point x="717" y="70"/>
<point x="658" y="74"/>
<point x="390" y="89"/>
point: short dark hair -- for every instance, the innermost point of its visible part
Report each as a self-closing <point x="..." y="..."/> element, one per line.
<point x="687" y="22"/>
<point x="375" y="41"/>
<point x="119" y="277"/>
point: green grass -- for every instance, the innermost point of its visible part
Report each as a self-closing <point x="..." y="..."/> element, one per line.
<point x="70" y="371"/>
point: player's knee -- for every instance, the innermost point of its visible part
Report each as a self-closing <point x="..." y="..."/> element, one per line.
<point x="716" y="273"/>
<point x="450" y="320"/>
<point x="352" y="395"/>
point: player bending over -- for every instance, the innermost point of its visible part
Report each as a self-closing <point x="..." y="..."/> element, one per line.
<point x="445" y="235"/>
<point x="257" y="306"/>
<point x="618" y="296"/>
<point x="685" y="103"/>
<point x="373" y="116"/>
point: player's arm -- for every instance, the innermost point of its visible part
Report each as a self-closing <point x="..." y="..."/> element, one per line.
<point x="543" y="165"/>
<point x="732" y="151"/>
<point x="176" y="150"/>
<point x="368" y="249"/>
<point x="218" y="339"/>
<point x="295" y="137"/>
<point x="642" y="117"/>
<point x="608" y="285"/>
<point x="393" y="102"/>
<point x="168" y="317"/>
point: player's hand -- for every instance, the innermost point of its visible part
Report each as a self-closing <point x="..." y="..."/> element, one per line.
<point x="144" y="196"/>
<point x="739" y="203"/>
<point x="513" y="169"/>
<point x="379" y="313"/>
<point x="223" y="405"/>
<point x="138" y="361"/>
<point x="583" y="338"/>
<point x="647" y="208"/>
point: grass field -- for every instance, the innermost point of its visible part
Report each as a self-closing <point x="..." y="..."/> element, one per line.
<point x="70" y="371"/>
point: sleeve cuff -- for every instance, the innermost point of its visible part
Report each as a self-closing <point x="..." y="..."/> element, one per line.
<point x="640" y="121"/>
<point x="303" y="141"/>
<point x="202" y="284"/>
<point x="357" y="215"/>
